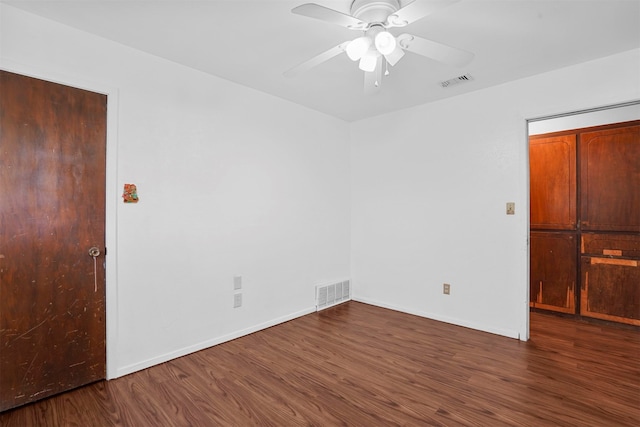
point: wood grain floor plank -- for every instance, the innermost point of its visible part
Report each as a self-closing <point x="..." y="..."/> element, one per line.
<point x="359" y="365"/>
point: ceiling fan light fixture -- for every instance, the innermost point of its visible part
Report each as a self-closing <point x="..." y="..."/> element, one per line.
<point x="377" y="48"/>
<point x="385" y="42"/>
<point x="369" y="61"/>
<point x="358" y="47"/>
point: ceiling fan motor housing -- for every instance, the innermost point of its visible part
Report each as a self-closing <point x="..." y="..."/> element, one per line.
<point x="374" y="11"/>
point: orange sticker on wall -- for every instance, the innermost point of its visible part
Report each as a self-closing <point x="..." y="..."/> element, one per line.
<point x="130" y="194"/>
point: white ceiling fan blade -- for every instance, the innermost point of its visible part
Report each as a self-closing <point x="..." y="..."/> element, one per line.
<point x="317" y="60"/>
<point x="395" y="56"/>
<point x="322" y="13"/>
<point x="373" y="80"/>
<point x="438" y="51"/>
<point x="416" y="10"/>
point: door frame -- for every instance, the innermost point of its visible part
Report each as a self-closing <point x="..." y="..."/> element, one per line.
<point x="112" y="196"/>
<point x="537" y="117"/>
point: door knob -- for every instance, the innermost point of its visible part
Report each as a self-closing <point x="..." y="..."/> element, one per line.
<point x="94" y="252"/>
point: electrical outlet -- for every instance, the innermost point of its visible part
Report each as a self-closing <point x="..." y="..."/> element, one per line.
<point x="446" y="289"/>
<point x="237" y="300"/>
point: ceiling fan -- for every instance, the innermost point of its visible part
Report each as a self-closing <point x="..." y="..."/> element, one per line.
<point x="378" y="47"/>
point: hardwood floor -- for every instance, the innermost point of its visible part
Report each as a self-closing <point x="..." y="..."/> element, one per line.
<point x="360" y="365"/>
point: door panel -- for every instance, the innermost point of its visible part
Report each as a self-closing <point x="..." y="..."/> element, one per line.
<point x="612" y="245"/>
<point x="611" y="289"/>
<point x="52" y="192"/>
<point x="553" y="271"/>
<point x="553" y="182"/>
<point x="610" y="179"/>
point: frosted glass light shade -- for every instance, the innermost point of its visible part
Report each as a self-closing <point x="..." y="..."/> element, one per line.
<point x="358" y="47"/>
<point x="385" y="42"/>
<point x="368" y="61"/>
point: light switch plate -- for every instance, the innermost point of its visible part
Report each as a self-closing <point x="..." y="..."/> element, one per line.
<point x="237" y="283"/>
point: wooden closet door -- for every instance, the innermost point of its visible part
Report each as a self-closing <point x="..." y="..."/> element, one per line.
<point x="610" y="180"/>
<point x="610" y="220"/>
<point x="552" y="162"/>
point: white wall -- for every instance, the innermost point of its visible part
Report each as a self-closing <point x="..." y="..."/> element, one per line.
<point x="231" y="182"/>
<point x="429" y="186"/>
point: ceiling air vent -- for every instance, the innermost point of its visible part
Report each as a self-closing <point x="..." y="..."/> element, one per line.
<point x="457" y="80"/>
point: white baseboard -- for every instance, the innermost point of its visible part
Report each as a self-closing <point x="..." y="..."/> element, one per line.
<point x="129" y="369"/>
<point x="458" y="322"/>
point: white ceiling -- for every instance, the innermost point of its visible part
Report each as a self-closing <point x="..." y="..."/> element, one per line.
<point x="253" y="42"/>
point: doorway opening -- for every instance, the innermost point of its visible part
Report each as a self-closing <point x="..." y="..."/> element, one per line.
<point x="584" y="232"/>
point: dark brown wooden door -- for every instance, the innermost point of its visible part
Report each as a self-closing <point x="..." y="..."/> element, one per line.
<point x="610" y="180"/>
<point x="52" y="208"/>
